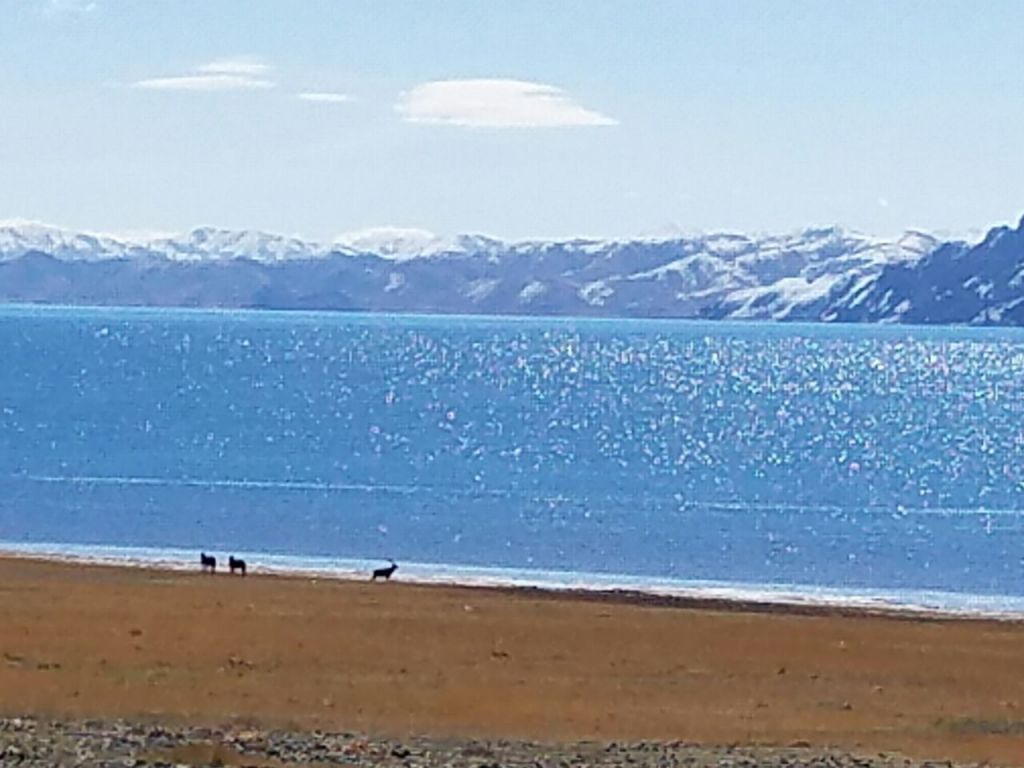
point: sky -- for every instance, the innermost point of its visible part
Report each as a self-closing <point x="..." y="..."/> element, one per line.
<point x="556" y="119"/>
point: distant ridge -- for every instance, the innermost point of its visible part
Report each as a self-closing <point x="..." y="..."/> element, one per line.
<point x="826" y="274"/>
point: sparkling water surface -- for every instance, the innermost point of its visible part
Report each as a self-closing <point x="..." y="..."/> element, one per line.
<point x="860" y="458"/>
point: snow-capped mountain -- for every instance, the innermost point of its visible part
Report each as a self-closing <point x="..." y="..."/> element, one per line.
<point x="957" y="283"/>
<point x="826" y="274"/>
<point x="400" y="243"/>
<point x="18" y="237"/>
<point x="212" y="244"/>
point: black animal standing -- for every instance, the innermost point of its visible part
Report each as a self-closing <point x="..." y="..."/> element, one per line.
<point x="384" y="573"/>
<point x="235" y="564"/>
<point x="208" y="563"/>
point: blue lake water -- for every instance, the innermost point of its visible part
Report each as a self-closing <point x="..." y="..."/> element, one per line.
<point x="859" y="460"/>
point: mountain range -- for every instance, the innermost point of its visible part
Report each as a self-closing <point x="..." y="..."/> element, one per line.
<point x="826" y="274"/>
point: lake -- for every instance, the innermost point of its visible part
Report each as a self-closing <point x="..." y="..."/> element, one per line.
<point x="874" y="463"/>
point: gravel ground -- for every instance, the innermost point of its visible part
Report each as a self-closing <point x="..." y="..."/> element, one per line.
<point x="29" y="743"/>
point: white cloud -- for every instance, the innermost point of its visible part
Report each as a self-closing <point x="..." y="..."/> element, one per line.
<point x="204" y="83"/>
<point x="243" y="65"/>
<point x="494" y="103"/>
<point x="325" y="97"/>
<point x="242" y="74"/>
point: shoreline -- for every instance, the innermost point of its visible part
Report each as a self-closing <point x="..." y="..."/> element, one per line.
<point x="746" y="598"/>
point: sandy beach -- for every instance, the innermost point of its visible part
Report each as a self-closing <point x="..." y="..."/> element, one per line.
<point x="399" y="660"/>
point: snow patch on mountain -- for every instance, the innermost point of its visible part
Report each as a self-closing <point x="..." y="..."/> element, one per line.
<point x="393" y="242"/>
<point x="596" y="293"/>
<point x="532" y="290"/>
<point x="478" y="290"/>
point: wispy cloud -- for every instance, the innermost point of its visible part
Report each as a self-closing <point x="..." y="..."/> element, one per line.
<point x="495" y="103"/>
<point x="67" y="7"/>
<point x="325" y="97"/>
<point x="204" y="83"/>
<point x="238" y="74"/>
<point x="241" y="65"/>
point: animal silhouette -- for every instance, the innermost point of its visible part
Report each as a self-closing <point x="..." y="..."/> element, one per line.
<point x="384" y="573"/>
<point x="208" y="563"/>
<point x="235" y="564"/>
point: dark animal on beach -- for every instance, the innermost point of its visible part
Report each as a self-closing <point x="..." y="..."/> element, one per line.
<point x="208" y="563"/>
<point x="236" y="564"/>
<point x="384" y="573"/>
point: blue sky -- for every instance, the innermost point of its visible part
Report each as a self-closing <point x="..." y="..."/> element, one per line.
<point x="515" y="119"/>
